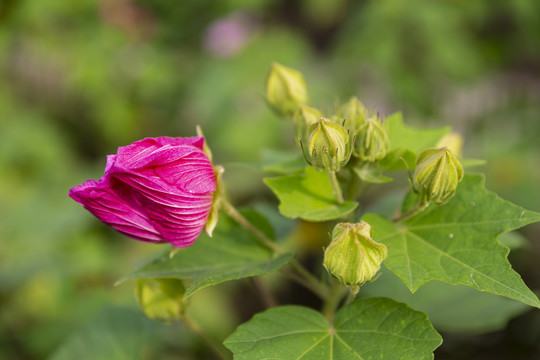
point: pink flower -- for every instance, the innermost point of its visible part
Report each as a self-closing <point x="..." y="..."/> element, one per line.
<point x="156" y="190"/>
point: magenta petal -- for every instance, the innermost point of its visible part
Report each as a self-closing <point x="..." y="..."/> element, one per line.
<point x="106" y="203"/>
<point x="139" y="150"/>
<point x="156" y="189"/>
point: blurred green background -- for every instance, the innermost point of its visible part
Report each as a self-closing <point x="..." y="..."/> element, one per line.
<point x="80" y="78"/>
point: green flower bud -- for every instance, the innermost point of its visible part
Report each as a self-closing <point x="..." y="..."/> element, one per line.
<point x="353" y="257"/>
<point x="328" y="146"/>
<point x="372" y="142"/>
<point x="161" y="299"/>
<point x="437" y="175"/>
<point x="285" y="89"/>
<point x="303" y="118"/>
<point x="354" y="113"/>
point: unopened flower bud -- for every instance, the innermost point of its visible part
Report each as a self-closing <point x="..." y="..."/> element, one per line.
<point x="161" y="299"/>
<point x="353" y="257"/>
<point x="328" y="145"/>
<point x="437" y="175"/>
<point x="372" y="142"/>
<point x="303" y="118"/>
<point x="354" y="113"/>
<point x="285" y="89"/>
<point x="453" y="141"/>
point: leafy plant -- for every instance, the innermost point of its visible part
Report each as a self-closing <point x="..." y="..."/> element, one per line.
<point x="447" y="230"/>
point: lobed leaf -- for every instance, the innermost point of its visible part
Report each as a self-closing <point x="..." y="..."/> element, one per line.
<point x="451" y="308"/>
<point x="308" y="196"/>
<point x="375" y="328"/>
<point x="231" y="254"/>
<point x="407" y="142"/>
<point x="457" y="242"/>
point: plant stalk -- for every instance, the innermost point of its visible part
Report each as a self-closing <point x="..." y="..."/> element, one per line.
<point x="415" y="210"/>
<point x="265" y="294"/>
<point x="314" y="284"/>
<point x="332" y="301"/>
<point x="216" y="347"/>
<point x="335" y="186"/>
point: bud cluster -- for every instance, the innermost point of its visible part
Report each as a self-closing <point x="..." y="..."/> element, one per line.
<point x="353" y="131"/>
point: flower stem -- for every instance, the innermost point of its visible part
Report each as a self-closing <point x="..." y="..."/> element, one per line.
<point x="415" y="210"/>
<point x="265" y="294"/>
<point x="335" y="186"/>
<point x="353" y="291"/>
<point x="314" y="284"/>
<point x="216" y="347"/>
<point x="240" y="219"/>
<point x="332" y="301"/>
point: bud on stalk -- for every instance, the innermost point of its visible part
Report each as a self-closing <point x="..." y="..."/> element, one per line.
<point x="354" y="113"/>
<point x="437" y="175"/>
<point x="372" y="142"/>
<point x="285" y="89"/>
<point x="329" y="146"/>
<point x="161" y="299"/>
<point x="353" y="257"/>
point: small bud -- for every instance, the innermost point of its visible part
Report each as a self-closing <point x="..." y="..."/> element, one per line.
<point x="437" y="175"/>
<point x="161" y="299"/>
<point x="328" y="146"/>
<point x="354" y="113"/>
<point x="372" y="142"/>
<point x="353" y="257"/>
<point x="285" y="89"/>
<point x="303" y="118"/>
<point x="453" y="141"/>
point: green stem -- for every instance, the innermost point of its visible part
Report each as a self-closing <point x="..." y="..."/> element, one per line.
<point x="353" y="291"/>
<point x="265" y="294"/>
<point x="315" y="287"/>
<point x="332" y="301"/>
<point x="314" y="284"/>
<point x="415" y="210"/>
<point x="240" y="219"/>
<point x="335" y="186"/>
<point x="216" y="347"/>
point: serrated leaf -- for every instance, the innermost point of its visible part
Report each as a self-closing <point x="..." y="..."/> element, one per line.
<point x="451" y="308"/>
<point x="457" y="242"/>
<point x="232" y="253"/>
<point x="375" y="328"/>
<point x="308" y="196"/>
<point x="407" y="142"/>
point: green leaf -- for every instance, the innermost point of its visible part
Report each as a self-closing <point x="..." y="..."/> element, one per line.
<point x="451" y="308"/>
<point x="407" y="142"/>
<point x="371" y="173"/>
<point x="232" y="253"/>
<point x="114" y="334"/>
<point x="375" y="328"/>
<point x="280" y="163"/>
<point x="457" y="242"/>
<point x="308" y="196"/>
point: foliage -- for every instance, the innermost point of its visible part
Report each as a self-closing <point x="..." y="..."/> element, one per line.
<point x="82" y="78"/>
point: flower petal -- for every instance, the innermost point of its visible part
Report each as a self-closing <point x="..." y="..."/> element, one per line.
<point x="107" y="200"/>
